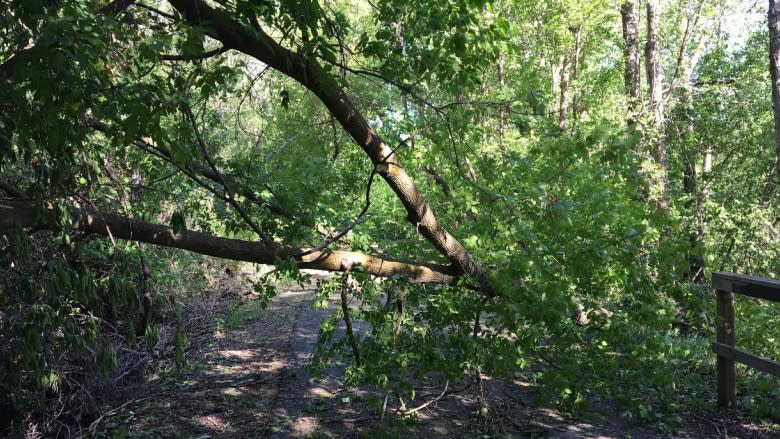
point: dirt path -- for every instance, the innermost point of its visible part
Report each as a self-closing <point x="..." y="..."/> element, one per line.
<point x="236" y="384"/>
<point x="249" y="381"/>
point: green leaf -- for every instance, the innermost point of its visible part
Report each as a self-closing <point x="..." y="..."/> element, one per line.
<point x="178" y="222"/>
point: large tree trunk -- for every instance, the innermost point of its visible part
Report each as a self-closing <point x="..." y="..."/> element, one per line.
<point x="563" y="103"/>
<point x="690" y="149"/>
<point x="691" y="188"/>
<point x="309" y="73"/>
<point x="774" y="71"/>
<point x="126" y="201"/>
<point x="656" y="99"/>
<point x="17" y="214"/>
<point x="569" y="72"/>
<point x="503" y="109"/>
<point x="628" y="13"/>
<point x="575" y="73"/>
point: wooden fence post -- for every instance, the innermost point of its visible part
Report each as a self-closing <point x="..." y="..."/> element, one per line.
<point x="727" y="374"/>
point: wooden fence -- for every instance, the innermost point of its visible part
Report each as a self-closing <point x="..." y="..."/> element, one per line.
<point x="726" y="285"/>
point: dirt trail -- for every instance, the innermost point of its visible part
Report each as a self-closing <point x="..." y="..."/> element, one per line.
<point x="233" y="384"/>
<point x="250" y="382"/>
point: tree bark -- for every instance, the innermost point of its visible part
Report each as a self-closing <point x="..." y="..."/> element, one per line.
<point x="575" y="73"/>
<point x="691" y="188"/>
<point x="259" y="45"/>
<point x="656" y="98"/>
<point x="774" y="71"/>
<point x="19" y="214"/>
<point x="126" y="201"/>
<point x="503" y="109"/>
<point x="563" y="104"/>
<point x="631" y="57"/>
<point x="690" y="149"/>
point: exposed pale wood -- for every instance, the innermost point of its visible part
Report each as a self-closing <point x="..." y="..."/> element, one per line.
<point x="728" y="284"/>
<point x="752" y="286"/>
<point x="18" y="214"/>
<point x="727" y="372"/>
<point x="756" y="362"/>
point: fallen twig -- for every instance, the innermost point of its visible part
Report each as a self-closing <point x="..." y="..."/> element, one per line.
<point x="347" y="320"/>
<point x="420" y="407"/>
<point x="94" y="425"/>
<point x="384" y="407"/>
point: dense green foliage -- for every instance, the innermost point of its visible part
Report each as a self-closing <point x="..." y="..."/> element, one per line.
<point x="561" y="219"/>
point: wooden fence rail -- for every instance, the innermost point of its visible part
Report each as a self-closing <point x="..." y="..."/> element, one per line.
<point x="726" y="285"/>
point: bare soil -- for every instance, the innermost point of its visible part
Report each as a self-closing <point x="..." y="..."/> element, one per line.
<point x="247" y="379"/>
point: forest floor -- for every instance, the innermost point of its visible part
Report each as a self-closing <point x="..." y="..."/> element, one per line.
<point x="246" y="378"/>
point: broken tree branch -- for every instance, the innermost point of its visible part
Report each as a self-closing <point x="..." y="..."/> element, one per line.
<point x="221" y="25"/>
<point x="22" y="213"/>
<point x="347" y="319"/>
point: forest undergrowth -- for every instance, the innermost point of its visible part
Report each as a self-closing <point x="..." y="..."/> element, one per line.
<point x="241" y="364"/>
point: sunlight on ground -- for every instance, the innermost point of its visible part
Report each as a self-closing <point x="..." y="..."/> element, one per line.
<point x="292" y="294"/>
<point x="211" y="422"/>
<point x="232" y="391"/>
<point x="319" y="392"/>
<point x="305" y="425"/>
<point x="244" y="354"/>
<point x="552" y="414"/>
<point x="246" y="360"/>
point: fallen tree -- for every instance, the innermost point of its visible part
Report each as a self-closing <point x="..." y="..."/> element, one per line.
<point x="25" y="214"/>
<point x="250" y="39"/>
<point x="256" y="43"/>
<point x="115" y="105"/>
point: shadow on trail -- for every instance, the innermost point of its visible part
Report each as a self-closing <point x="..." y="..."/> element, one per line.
<point x="250" y="381"/>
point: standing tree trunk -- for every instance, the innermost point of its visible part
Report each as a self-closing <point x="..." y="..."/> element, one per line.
<point x="656" y="99"/>
<point x="126" y="201"/>
<point x="774" y="70"/>
<point x="563" y="106"/>
<point x="691" y="188"/>
<point x="691" y="150"/>
<point x="631" y="55"/>
<point x="575" y="74"/>
<point x="502" y="108"/>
